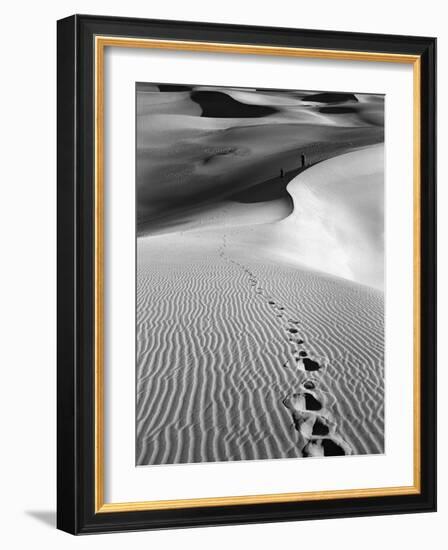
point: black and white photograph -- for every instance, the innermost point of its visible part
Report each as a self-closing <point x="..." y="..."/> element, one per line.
<point x="259" y="274"/>
<point x="220" y="266"/>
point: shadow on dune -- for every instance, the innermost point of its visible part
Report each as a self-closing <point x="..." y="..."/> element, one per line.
<point x="330" y="97"/>
<point x="247" y="185"/>
<point x="199" y="147"/>
<point x="174" y="88"/>
<point x="221" y="105"/>
<point x="337" y="110"/>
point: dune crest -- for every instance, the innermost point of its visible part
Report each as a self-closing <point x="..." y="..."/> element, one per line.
<point x="337" y="222"/>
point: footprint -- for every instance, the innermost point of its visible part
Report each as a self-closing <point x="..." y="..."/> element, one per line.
<point x="308" y="407"/>
<point x="304" y="425"/>
<point x="311" y="403"/>
<point x="310" y="365"/>
<point x="333" y="448"/>
<point x="319" y="428"/>
<point x="297" y="342"/>
<point x="325" y="447"/>
<point x="302" y="402"/>
<point x="306" y="365"/>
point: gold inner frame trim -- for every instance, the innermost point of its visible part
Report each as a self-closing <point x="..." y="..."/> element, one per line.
<point x="101" y="42"/>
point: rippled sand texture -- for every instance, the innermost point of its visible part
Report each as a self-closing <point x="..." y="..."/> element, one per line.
<point x="260" y="313"/>
<point x="216" y="361"/>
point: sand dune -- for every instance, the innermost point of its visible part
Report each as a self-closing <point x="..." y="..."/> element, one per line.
<point x="339" y="206"/>
<point x="336" y="222"/>
<point x="218" y="355"/>
<point x="202" y="146"/>
<point x="260" y="314"/>
<point x="331" y="217"/>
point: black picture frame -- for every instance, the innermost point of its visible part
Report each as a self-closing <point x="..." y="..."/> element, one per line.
<point x="76" y="511"/>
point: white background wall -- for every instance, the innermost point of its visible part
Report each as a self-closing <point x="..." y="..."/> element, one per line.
<point x="27" y="271"/>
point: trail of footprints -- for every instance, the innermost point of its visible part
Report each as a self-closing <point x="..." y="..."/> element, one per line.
<point x="309" y="406"/>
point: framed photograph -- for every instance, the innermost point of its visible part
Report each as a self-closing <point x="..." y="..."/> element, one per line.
<point x="246" y="274"/>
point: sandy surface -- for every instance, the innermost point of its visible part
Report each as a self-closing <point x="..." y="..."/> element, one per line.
<point x="196" y="147"/>
<point x="253" y="342"/>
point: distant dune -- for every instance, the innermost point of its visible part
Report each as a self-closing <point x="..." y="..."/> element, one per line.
<point x="336" y="223"/>
<point x="260" y="310"/>
<point x="202" y="146"/>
